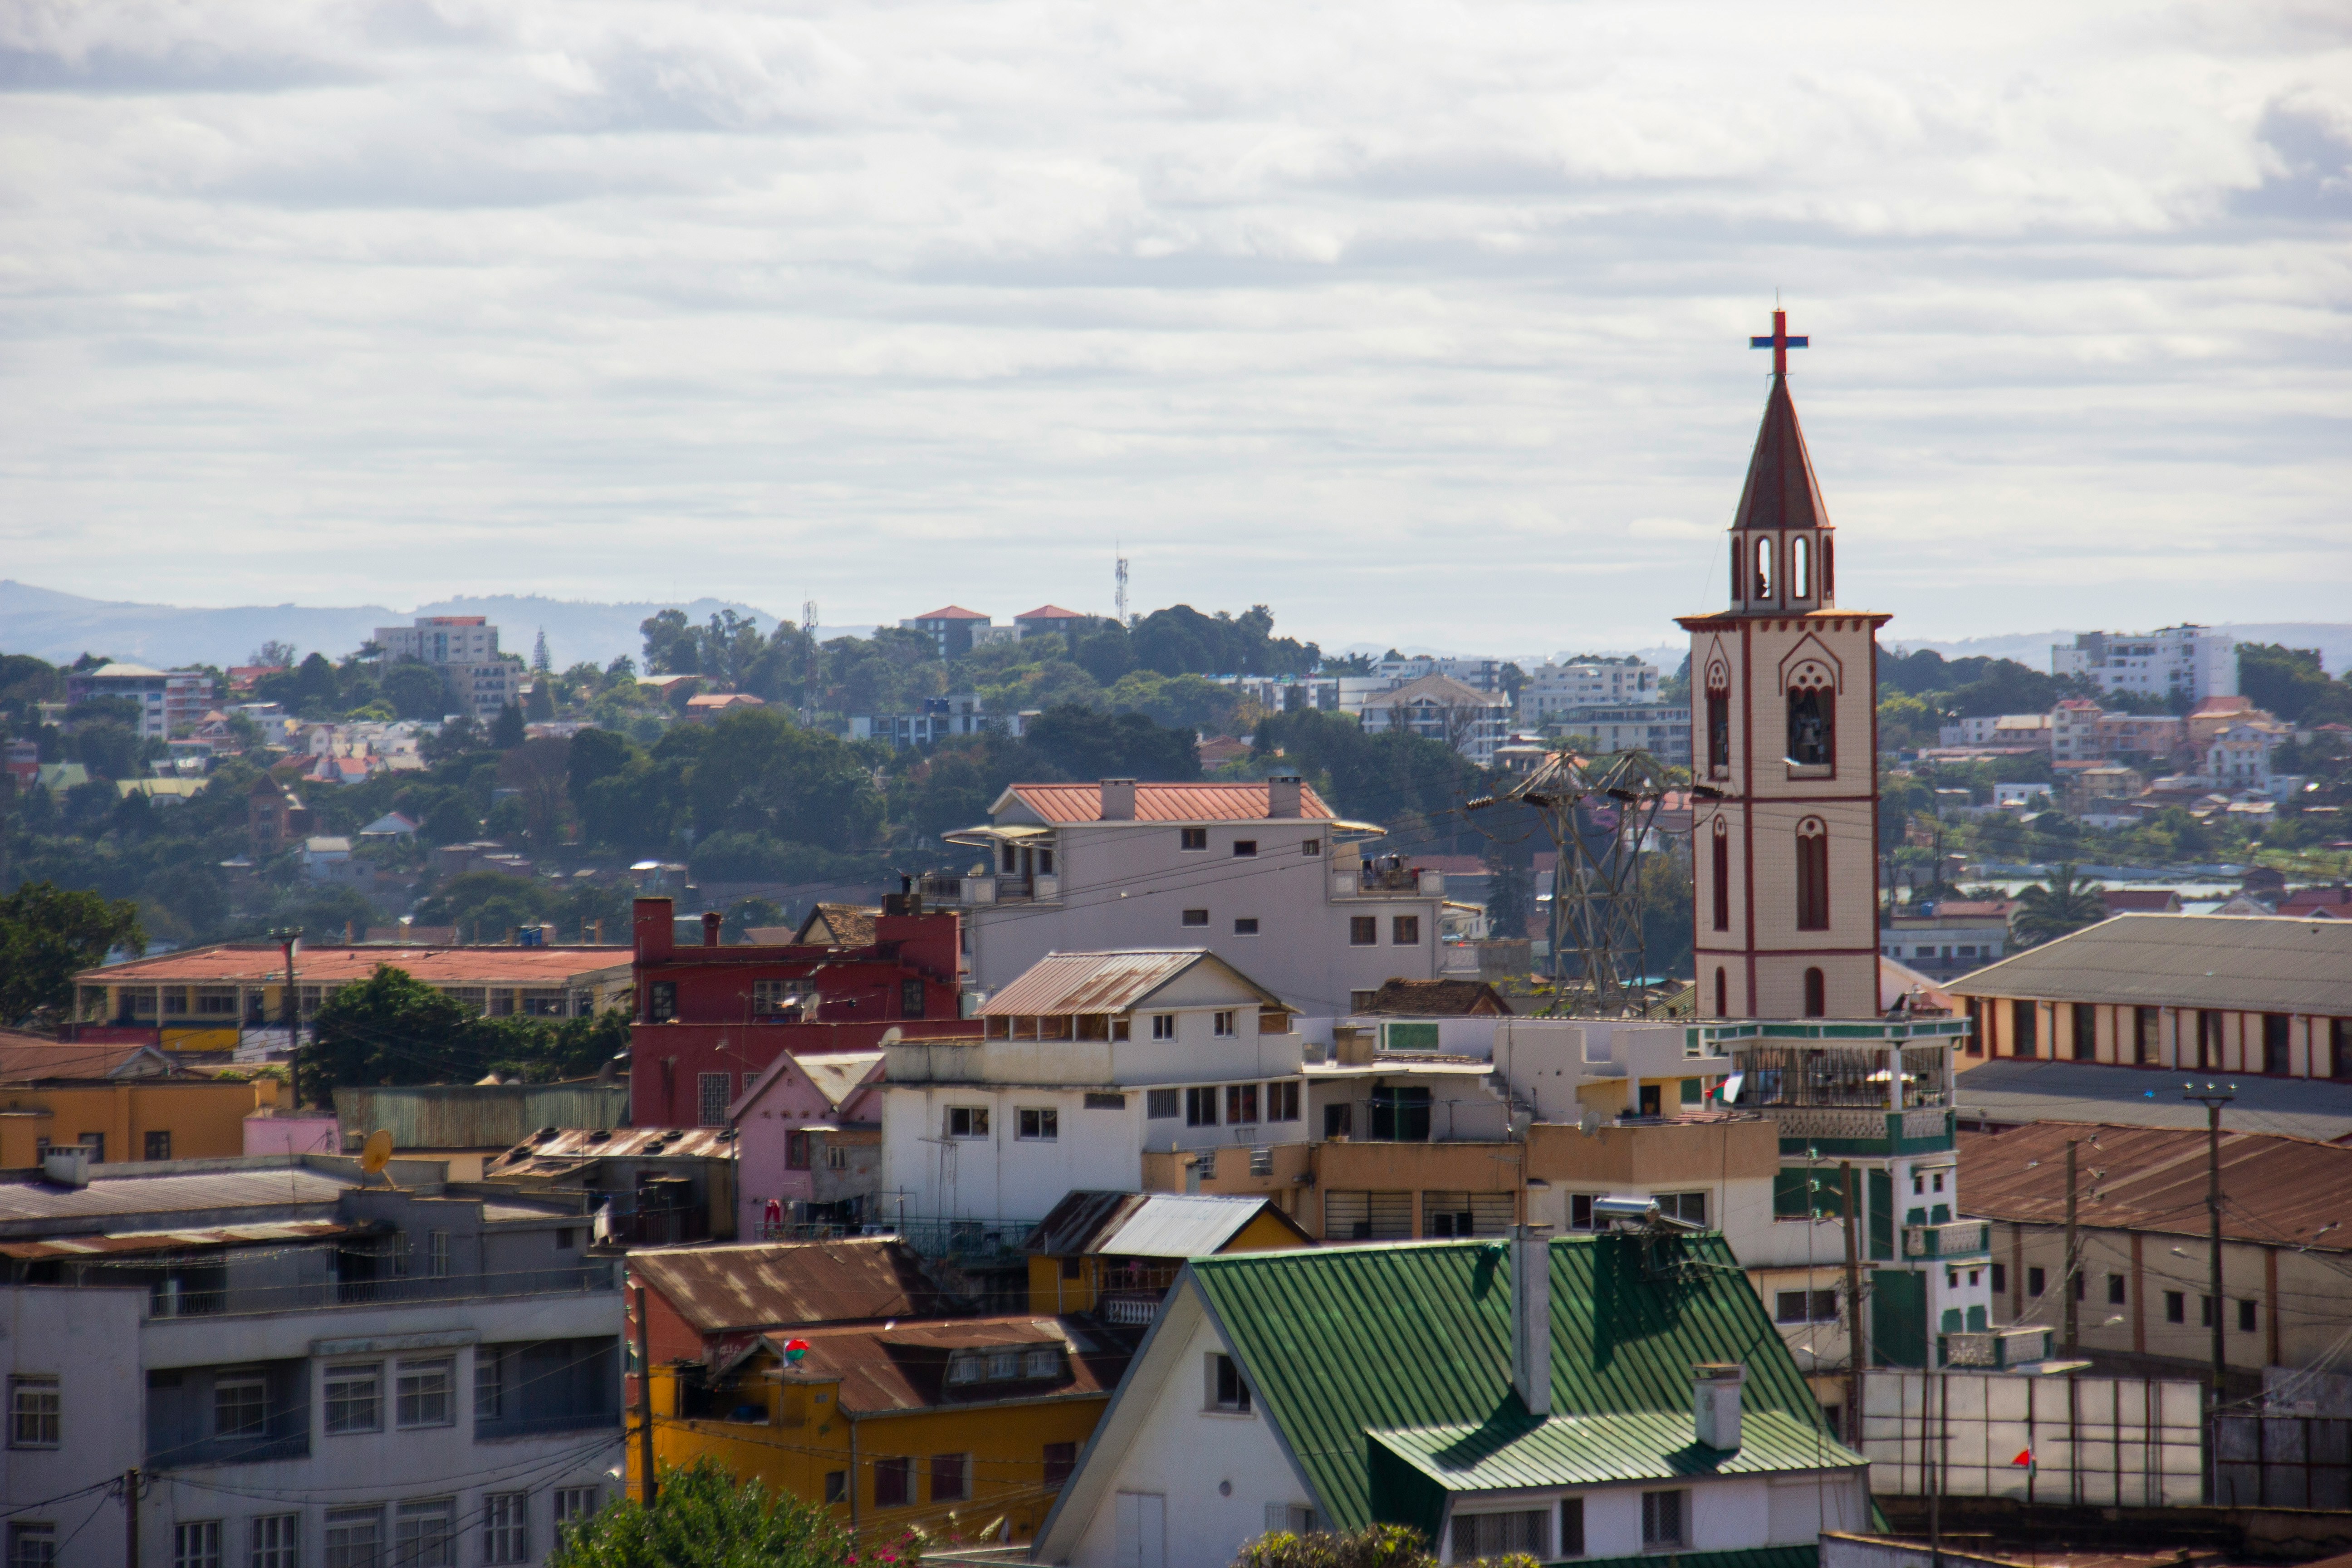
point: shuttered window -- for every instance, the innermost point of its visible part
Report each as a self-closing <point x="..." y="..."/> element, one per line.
<point x="1465" y="1214"/>
<point x="1368" y="1216"/>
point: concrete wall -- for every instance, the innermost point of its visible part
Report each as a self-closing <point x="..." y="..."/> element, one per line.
<point x="2114" y="1038"/>
<point x="204" y="1118"/>
<point x="479" y="1116"/>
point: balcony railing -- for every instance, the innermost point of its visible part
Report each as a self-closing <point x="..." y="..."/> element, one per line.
<point x="1958" y="1238"/>
<point x="313" y="1295"/>
<point x="1994" y="1349"/>
<point x="1130" y="1308"/>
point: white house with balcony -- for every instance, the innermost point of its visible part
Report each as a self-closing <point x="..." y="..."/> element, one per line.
<point x="1082" y="1066"/>
<point x="305" y="1365"/>
<point x="1261" y="873"/>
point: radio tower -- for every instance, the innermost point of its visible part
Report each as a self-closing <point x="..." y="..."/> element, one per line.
<point x="1120" y="596"/>
<point x="808" y="690"/>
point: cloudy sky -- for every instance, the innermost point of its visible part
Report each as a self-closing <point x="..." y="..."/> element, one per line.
<point x="1419" y="322"/>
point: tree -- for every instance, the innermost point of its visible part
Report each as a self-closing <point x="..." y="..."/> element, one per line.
<point x="1374" y="1546"/>
<point x="48" y="935"/>
<point x="2291" y="683"/>
<point x="273" y="655"/>
<point x="703" y="1517"/>
<point x="1084" y="744"/>
<point x="758" y="771"/>
<point x="416" y="689"/>
<point x="2048" y="911"/>
<point x="541" y="661"/>
<point x="507" y="730"/>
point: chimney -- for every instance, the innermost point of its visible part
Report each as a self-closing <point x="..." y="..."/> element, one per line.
<point x="67" y="1165"/>
<point x="652" y="924"/>
<point x="1714" y="1403"/>
<point x="1282" y="793"/>
<point x="711" y="919"/>
<point x="1531" y="1317"/>
<point x="1118" y="800"/>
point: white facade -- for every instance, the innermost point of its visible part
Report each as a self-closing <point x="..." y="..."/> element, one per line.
<point x="1663" y="729"/>
<point x="1439" y="707"/>
<point x="465" y="649"/>
<point x="1309" y="917"/>
<point x="1554" y="689"/>
<point x="170" y="701"/>
<point x="2194" y="662"/>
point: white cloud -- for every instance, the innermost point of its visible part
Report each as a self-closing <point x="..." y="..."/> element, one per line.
<point x="1424" y="322"/>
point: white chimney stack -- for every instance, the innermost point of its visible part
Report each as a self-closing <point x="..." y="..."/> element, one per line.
<point x="1714" y="1403"/>
<point x="1118" y="800"/>
<point x="1283" y="796"/>
<point x="1531" y="1317"/>
<point x="67" y="1165"/>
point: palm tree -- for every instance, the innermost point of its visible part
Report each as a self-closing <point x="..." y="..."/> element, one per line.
<point x="2046" y="912"/>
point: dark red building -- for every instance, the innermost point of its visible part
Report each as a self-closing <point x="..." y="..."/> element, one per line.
<point x="710" y="1019"/>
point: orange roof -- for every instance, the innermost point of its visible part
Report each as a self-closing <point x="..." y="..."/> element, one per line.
<point x="782" y="1284"/>
<point x="953" y="613"/>
<point x="1244" y="802"/>
<point x="28" y="1058"/>
<point x="1051" y="613"/>
<point x="226" y="964"/>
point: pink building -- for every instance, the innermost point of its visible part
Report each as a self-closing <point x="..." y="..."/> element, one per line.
<point x="808" y="1143"/>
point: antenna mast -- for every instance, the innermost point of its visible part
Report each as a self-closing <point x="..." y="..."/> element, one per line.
<point x="808" y="690"/>
<point x="1120" y="597"/>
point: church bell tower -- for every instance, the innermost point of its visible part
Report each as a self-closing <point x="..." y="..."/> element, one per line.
<point x="1784" y="714"/>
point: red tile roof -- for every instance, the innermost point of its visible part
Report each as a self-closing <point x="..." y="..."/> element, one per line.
<point x="226" y="964"/>
<point x="1050" y="612"/>
<point x="1244" y="802"/>
<point x="953" y="613"/>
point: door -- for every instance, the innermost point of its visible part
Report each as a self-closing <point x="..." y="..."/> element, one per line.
<point x="1143" y="1531"/>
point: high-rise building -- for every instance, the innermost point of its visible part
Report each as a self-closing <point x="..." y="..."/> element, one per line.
<point x="2190" y="661"/>
<point x="465" y="649"/>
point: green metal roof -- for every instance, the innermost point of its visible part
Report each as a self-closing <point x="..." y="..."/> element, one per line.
<point x="1339" y="1342"/>
<point x="1595" y="1450"/>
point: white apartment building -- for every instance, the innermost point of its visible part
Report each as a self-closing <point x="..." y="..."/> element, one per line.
<point x="170" y="701"/>
<point x="303" y="1370"/>
<point x="2195" y="662"/>
<point x="465" y="649"/>
<point x="1554" y="689"/>
<point x="1261" y="873"/>
<point x="1439" y="707"/>
<point x="1661" y="728"/>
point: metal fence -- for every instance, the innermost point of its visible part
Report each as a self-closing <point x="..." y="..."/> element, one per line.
<point x="2282" y="1461"/>
<point x="2103" y="1441"/>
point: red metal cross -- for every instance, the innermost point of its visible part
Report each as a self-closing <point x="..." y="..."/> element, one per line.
<point x="1780" y="343"/>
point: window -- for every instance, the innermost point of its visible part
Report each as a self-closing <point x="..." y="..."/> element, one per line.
<point x="1282" y="1100"/>
<point x="159" y="1145"/>
<point x="1163" y="1026"/>
<point x="1159" y="1103"/>
<point x="197" y="1544"/>
<point x="1999" y="1278"/>
<point x="32" y="1546"/>
<point x="1241" y="1104"/>
<point x="1363" y="931"/>
<point x="96" y="1143"/>
<point x="2274" y="1052"/>
<point x="2339" y="1048"/>
<point x="566" y="1239"/>
<point x="1579" y="1211"/>
<point x="1816" y="995"/>
<point x="1520" y="1533"/>
<point x="1801" y="568"/>
<point x="1310" y="847"/>
<point x="1812" y="875"/>
<point x="836" y="1158"/>
<point x="2036" y="1281"/>
<point x="966" y="1369"/>
<point x="275" y="1541"/>
<point x="836" y="1486"/>
<point x="2021" y="1028"/>
<point x="2176" y="1307"/>
<point x="1222" y="1026"/>
<point x="2209" y="1040"/>
<point x="2245" y="1317"/>
<point x="2204" y="1311"/>
<point x="1244" y="849"/>
<point x="422" y="1395"/>
<point x="1718" y="732"/>
<point x="967" y="1121"/>
<point x="775" y="998"/>
<point x="1690" y="1207"/>
<point x="354" y="1399"/>
<point x="1037" y="1123"/>
<point x="1200" y="1107"/>
<point x="1061" y="1458"/>
<point x="1572" y="1527"/>
<point x="661" y="1001"/>
<point x="910" y="997"/>
<point x="1041" y="1363"/>
<point x="951" y="1477"/>
<point x="712" y="1096"/>
<point x="1193" y="839"/>
<point x="1720" y="868"/>
<point x="436" y="1253"/>
<point x="506" y="1527"/>
<point x="1763" y="570"/>
<point x="2114" y="1290"/>
<point x="2148" y="1035"/>
<point x="422" y="1536"/>
<point x="35" y="1412"/>
<point x="354" y="1537"/>
<point x="1227" y="1390"/>
<point x="894" y="1482"/>
<point x="1661" y="1518"/>
<point x="575" y="1502"/>
<point x="1722" y="995"/>
<point x="1196" y="917"/>
<point x="1812" y="734"/>
<point x="1805" y="1307"/>
<point x="240" y="1404"/>
<point x="797" y="1146"/>
<point x="1246" y="927"/>
<point x="1404" y="930"/>
<point x="2086" y="1032"/>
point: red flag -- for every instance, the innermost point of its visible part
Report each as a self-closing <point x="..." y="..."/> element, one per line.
<point x="2024" y="1459"/>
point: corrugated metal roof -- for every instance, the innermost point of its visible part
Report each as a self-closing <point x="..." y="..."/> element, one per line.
<point x="29" y="1058"/>
<point x="527" y="966"/>
<point x="778" y="1284"/>
<point x="837" y="1075"/>
<point x="2241" y="962"/>
<point x="2008" y="1091"/>
<point x="905" y="1368"/>
<point x="1240" y="802"/>
<point x="1146" y="1225"/>
<point x="1072" y="1224"/>
<point x="173" y="1240"/>
<point x="1593" y="1450"/>
<point x="569" y="1145"/>
<point x="275" y="1185"/>
<point x="2281" y="1190"/>
<point x="1338" y="1342"/>
<point x="1069" y="983"/>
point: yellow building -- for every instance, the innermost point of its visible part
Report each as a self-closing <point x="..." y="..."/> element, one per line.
<point x="126" y="1102"/>
<point x="965" y="1426"/>
<point x="1118" y="1252"/>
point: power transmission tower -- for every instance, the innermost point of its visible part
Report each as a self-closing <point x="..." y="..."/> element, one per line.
<point x="1597" y="812"/>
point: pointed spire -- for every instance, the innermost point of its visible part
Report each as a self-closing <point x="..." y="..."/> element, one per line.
<point x="1782" y="491"/>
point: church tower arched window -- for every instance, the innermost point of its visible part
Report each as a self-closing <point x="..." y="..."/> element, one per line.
<point x="1812" y="875"/>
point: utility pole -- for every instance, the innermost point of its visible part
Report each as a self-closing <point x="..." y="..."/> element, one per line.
<point x="289" y="941"/>
<point x="1853" y="1308"/>
<point x="2213" y="1099"/>
<point x="130" y="1517"/>
<point x="645" y="1407"/>
<point x="2066" y="1283"/>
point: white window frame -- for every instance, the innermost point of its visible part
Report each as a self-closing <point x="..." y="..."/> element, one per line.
<point x="197" y="1543"/>
<point x="1163" y="1026"/>
<point x="975" y="1122"/>
<point x="1653" y="1536"/>
<point x="362" y="1545"/>
<point x="1041" y="1363"/>
<point x="704" y="1099"/>
<point x="412" y="1386"/>
<point x="416" y="1543"/>
<point x="1036" y="1124"/>
<point x="37" y="1401"/>
<point x="241" y="1381"/>
<point x="1162" y="1104"/>
<point x="576" y="1502"/>
<point x="352" y="1375"/>
<point x="1222" y="1024"/>
<point x="1215" y="1400"/>
<point x="274" y="1540"/>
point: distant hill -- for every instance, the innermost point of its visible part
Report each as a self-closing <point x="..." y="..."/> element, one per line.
<point x="61" y="627"/>
<point x="2333" y="639"/>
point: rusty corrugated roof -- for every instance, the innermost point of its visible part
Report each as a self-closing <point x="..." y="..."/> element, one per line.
<point x="173" y="1240"/>
<point x="1781" y="491"/>
<point x="1437" y="999"/>
<point x="1066" y="983"/>
<point x="2280" y="1190"/>
<point x="785" y="1284"/>
<point x="905" y="1367"/>
<point x="331" y="966"/>
<point x="29" y="1058"/>
<point x="567" y="1146"/>
<point x="838" y="925"/>
<point x="1242" y="802"/>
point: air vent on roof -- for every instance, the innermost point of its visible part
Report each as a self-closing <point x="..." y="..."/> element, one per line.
<point x="599" y="1135"/>
<point x="544" y="1133"/>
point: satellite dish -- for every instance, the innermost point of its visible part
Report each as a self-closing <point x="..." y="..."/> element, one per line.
<point x="1589" y="1122"/>
<point x="892" y="1035"/>
<point x="377" y="1152"/>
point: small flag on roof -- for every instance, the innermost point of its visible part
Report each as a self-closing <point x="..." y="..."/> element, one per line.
<point x="2024" y="1460"/>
